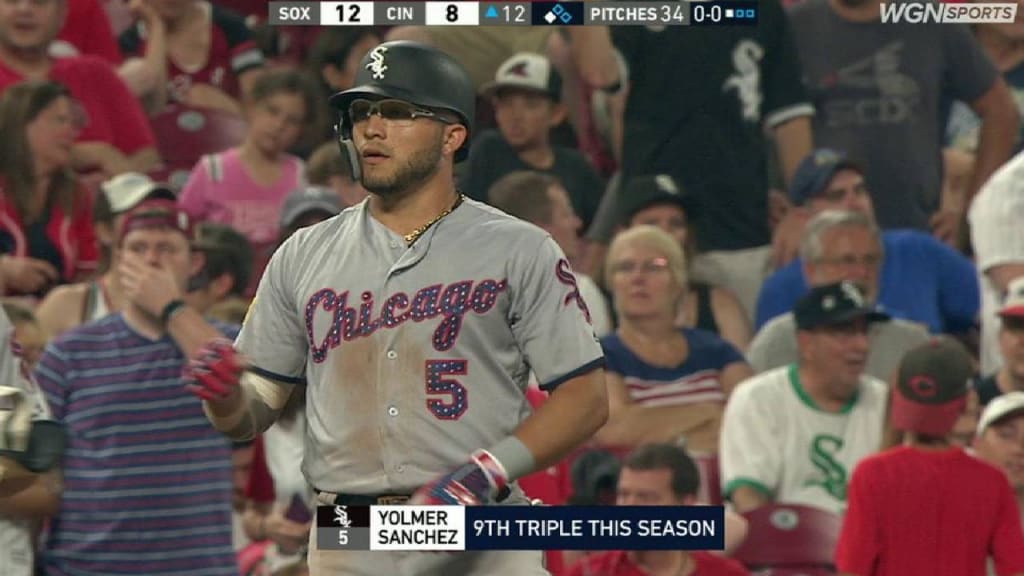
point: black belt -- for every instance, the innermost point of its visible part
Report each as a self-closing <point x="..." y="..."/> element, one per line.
<point x="369" y="500"/>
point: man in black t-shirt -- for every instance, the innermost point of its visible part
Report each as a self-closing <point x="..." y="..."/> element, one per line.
<point x="699" y="101"/>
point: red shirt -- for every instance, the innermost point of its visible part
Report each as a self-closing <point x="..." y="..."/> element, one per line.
<point x="72" y="235"/>
<point x="232" y="52"/>
<point x="88" y="29"/>
<point x="929" y="513"/>
<point x="618" y="563"/>
<point x="261" y="485"/>
<point x="113" y="115"/>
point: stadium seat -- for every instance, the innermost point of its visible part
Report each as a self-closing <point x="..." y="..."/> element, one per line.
<point x="710" y="478"/>
<point x="790" y="536"/>
<point x="185" y="134"/>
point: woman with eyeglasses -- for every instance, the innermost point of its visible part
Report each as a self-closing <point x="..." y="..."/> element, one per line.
<point x="46" y="231"/>
<point x="245" y="187"/>
<point x="664" y="382"/>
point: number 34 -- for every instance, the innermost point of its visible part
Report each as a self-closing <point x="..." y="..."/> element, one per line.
<point x="454" y="396"/>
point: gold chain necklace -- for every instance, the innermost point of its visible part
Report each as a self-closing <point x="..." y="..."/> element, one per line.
<point x="413" y="236"/>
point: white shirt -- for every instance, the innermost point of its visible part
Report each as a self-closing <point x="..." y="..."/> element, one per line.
<point x="776" y="440"/>
<point x="996" y="217"/>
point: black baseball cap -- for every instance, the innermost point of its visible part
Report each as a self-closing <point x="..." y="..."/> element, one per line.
<point x="816" y="171"/>
<point x="931" y="391"/>
<point x="645" y="191"/>
<point x="834" y="304"/>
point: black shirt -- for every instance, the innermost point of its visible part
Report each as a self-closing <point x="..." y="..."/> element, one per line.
<point x="698" y="103"/>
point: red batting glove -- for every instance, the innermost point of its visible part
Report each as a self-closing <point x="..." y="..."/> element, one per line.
<point x="215" y="372"/>
<point x="474" y="483"/>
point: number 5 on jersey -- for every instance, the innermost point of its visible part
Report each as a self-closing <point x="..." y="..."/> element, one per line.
<point x="447" y="398"/>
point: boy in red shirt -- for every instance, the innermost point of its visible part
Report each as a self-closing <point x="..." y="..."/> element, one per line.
<point x="927" y="508"/>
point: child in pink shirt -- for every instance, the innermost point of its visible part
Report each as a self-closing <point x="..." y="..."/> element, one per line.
<point x="244" y="187"/>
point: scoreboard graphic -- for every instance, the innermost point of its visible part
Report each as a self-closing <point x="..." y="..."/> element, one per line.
<point x="435" y="13"/>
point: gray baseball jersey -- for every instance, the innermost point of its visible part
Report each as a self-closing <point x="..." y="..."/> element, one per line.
<point x="415" y="357"/>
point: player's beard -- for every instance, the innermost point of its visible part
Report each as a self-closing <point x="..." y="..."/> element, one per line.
<point x="418" y="168"/>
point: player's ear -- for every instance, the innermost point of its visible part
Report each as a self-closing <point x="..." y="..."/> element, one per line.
<point x="455" y="136"/>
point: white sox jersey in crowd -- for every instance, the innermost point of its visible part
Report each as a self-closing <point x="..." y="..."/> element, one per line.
<point x="17" y="549"/>
<point x="776" y="440"/>
<point x="415" y="356"/>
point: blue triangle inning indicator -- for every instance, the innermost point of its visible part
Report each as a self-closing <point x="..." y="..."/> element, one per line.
<point x="492" y="12"/>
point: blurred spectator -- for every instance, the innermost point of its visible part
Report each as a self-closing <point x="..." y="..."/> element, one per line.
<point x="71" y="305"/>
<point x="998" y="239"/>
<point x="657" y="475"/>
<point x="793" y="435"/>
<point x="46" y="233"/>
<point x="1010" y="376"/>
<point x="657" y="200"/>
<point x="190" y="51"/>
<point x="87" y="30"/>
<point x="306" y="207"/>
<point x="882" y="94"/>
<point x="28" y="335"/>
<point x="115" y="136"/>
<point x="699" y="105"/>
<point x="26" y="497"/>
<point x="244" y="187"/>
<point x="227" y="267"/>
<point x="164" y="471"/>
<point x="334" y="61"/>
<point x="229" y="311"/>
<point x="927" y="508"/>
<point x="921" y="279"/>
<point x="526" y="94"/>
<point x="1000" y="439"/>
<point x="327" y="168"/>
<point x="840" y="246"/>
<point x="540" y="199"/>
<point x="664" y="383"/>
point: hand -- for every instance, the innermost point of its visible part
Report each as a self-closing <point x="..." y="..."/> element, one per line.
<point x="787" y="236"/>
<point x="946" y="226"/>
<point x="145" y="12"/>
<point x="289" y="536"/>
<point x="216" y="372"/>
<point x="149" y="287"/>
<point x="474" y="483"/>
<point x="27" y="275"/>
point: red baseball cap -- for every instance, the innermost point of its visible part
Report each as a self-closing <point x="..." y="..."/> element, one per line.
<point x="931" y="391"/>
<point x="158" y="214"/>
<point x="1013" y="302"/>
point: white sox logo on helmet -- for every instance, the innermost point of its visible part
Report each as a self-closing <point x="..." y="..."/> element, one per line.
<point x="376" y="63"/>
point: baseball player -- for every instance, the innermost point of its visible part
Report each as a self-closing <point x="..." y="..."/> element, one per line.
<point x="415" y="318"/>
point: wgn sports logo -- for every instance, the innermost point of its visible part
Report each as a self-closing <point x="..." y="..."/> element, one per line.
<point x="942" y="13"/>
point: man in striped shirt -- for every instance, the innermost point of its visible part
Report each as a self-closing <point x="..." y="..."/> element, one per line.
<point x="147" y="478"/>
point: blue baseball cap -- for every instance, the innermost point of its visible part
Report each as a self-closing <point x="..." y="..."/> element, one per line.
<point x="816" y="171"/>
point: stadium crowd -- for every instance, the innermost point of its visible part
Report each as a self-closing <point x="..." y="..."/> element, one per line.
<point x="801" y="245"/>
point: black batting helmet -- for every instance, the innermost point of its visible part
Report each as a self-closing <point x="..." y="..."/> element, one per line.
<point x="416" y="73"/>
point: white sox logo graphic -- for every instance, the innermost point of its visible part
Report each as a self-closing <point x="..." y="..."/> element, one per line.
<point x="376" y="63"/>
<point x="564" y="274"/>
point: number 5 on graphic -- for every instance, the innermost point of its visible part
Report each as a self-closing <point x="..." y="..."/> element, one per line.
<point x="455" y="396"/>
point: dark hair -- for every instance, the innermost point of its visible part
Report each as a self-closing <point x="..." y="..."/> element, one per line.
<point x="685" y="475"/>
<point x="227" y="252"/>
<point x="20" y="105"/>
<point x="524" y="194"/>
<point x="334" y="46"/>
<point x="19" y="314"/>
<point x="287" y="81"/>
<point x="325" y="163"/>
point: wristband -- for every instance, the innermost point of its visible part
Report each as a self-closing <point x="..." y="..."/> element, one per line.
<point x="514" y="457"/>
<point x="172" y="308"/>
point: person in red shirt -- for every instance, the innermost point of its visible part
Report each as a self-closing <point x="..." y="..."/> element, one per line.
<point x="87" y="30"/>
<point x="927" y="508"/>
<point x="46" y="230"/>
<point x="115" y="135"/>
<point x="657" y="475"/>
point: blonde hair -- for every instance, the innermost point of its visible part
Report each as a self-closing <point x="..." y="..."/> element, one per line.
<point x="655" y="239"/>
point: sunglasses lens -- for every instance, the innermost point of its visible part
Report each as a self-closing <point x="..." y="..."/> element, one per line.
<point x="396" y="111"/>
<point x="359" y="110"/>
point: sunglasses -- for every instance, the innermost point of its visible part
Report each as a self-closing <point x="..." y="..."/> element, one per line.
<point x="396" y="112"/>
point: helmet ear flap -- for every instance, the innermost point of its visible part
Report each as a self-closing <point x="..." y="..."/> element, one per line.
<point x="349" y="153"/>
